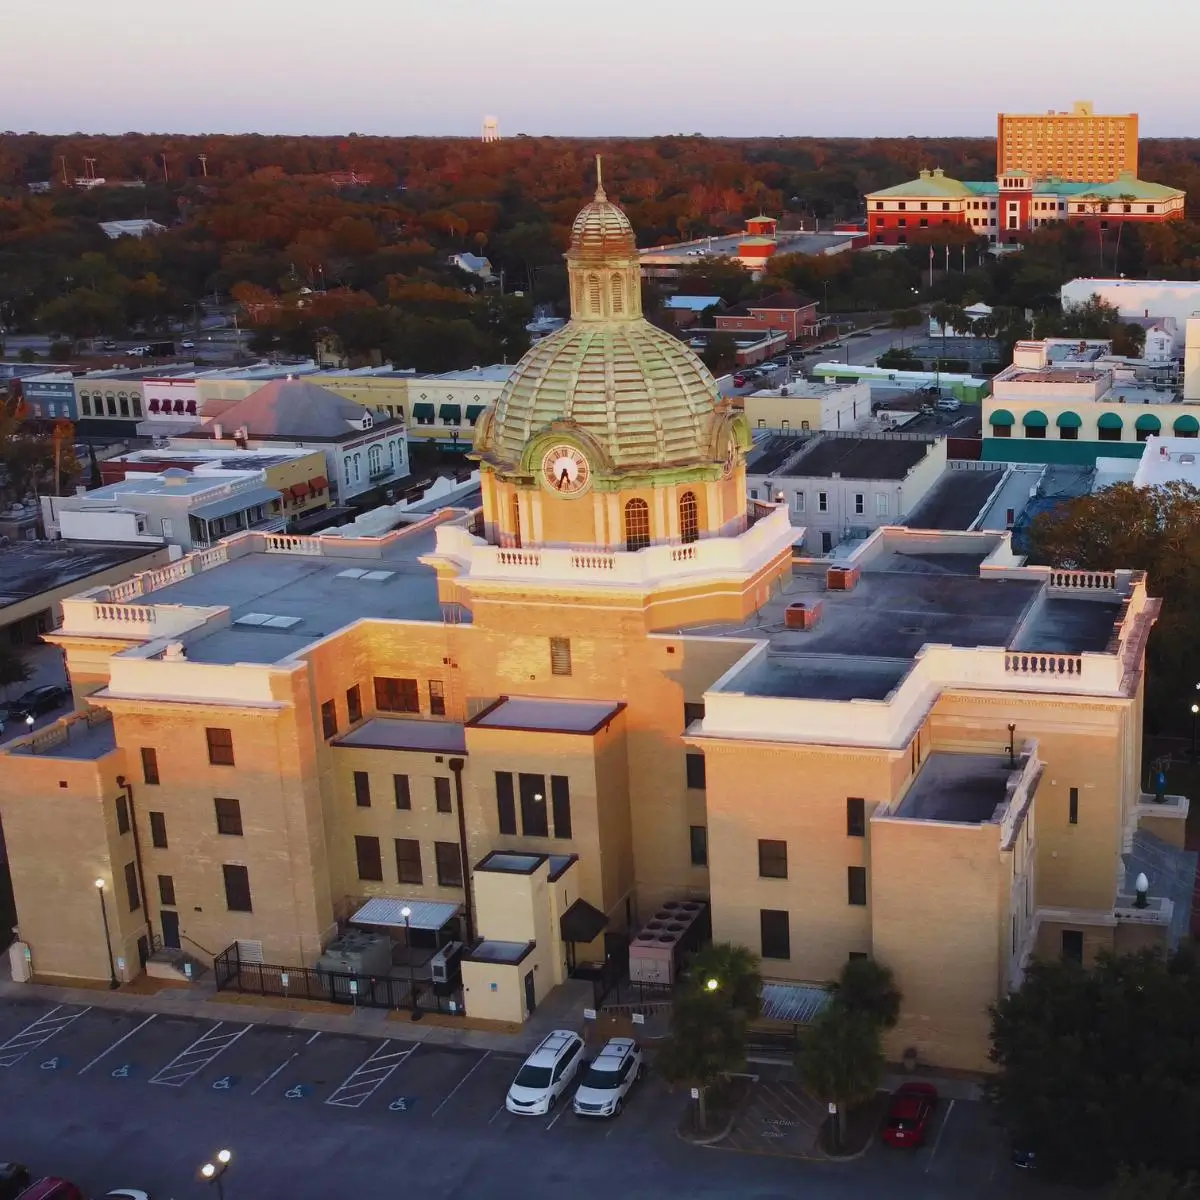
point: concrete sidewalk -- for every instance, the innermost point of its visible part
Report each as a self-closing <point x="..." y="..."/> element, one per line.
<point x="563" y="1009"/>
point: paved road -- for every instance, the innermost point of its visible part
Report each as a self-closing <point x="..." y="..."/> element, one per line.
<point x="111" y="1098"/>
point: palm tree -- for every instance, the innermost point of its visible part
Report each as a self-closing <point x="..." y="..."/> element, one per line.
<point x="841" y="1059"/>
<point x="867" y="986"/>
<point x="707" y="1041"/>
<point x="905" y="318"/>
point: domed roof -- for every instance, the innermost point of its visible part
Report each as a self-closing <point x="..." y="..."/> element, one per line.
<point x="636" y="390"/>
<point x="602" y="230"/>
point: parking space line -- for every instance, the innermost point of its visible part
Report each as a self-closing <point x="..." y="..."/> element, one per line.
<point x="556" y="1117"/>
<point x="459" y="1084"/>
<point x="937" y="1141"/>
<point x="367" y="1078"/>
<point x="189" y="1062"/>
<point x="501" y="1109"/>
<point x="294" y="1055"/>
<point x="109" y="1049"/>
<point x="36" y="1034"/>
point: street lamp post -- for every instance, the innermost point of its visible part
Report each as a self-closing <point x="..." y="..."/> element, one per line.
<point x="112" y="966"/>
<point x="211" y="1172"/>
<point x="1195" y="714"/>
<point x="406" y="913"/>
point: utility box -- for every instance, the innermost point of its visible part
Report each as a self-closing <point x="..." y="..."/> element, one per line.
<point x="803" y="614"/>
<point x="841" y="579"/>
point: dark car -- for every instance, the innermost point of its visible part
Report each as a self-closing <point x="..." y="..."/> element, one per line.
<point x="39" y="700"/>
<point x="909" y="1114"/>
<point x="14" y="1179"/>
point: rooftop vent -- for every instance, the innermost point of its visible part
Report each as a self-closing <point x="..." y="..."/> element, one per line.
<point x="365" y="575"/>
<point x="841" y="579"/>
<point x="802" y="614"/>
<point x="174" y="652"/>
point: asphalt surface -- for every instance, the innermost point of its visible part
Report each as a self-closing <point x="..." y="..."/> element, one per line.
<point x="110" y="1098"/>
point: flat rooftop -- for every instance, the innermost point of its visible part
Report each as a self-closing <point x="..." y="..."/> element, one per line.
<point x="956" y="499"/>
<point x="768" y="456"/>
<point x="908" y="596"/>
<point x="787" y="242"/>
<point x="324" y="594"/>
<point x="548" y="716"/>
<point x="406" y="733"/>
<point x="857" y="458"/>
<point x="79" y="739"/>
<point x="177" y="483"/>
<point x="964" y="789"/>
<point x="29" y="569"/>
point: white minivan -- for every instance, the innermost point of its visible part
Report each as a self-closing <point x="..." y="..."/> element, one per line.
<point x="546" y="1074"/>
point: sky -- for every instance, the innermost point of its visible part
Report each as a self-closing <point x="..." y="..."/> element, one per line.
<point x="617" y="67"/>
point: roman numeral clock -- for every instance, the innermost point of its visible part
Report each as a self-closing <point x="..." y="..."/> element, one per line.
<point x="565" y="470"/>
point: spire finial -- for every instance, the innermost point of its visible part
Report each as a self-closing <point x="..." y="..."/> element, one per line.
<point x="600" y="192"/>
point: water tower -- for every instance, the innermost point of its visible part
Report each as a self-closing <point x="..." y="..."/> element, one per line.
<point x="491" y="129"/>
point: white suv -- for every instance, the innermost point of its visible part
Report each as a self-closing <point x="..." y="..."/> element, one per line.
<point x="613" y="1072"/>
<point x="546" y="1074"/>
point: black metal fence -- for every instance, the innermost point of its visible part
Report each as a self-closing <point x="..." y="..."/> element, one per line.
<point x="307" y="983"/>
<point x="609" y="992"/>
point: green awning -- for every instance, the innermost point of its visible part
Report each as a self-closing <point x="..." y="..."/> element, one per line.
<point x="473" y="411"/>
<point x="1187" y="424"/>
<point x="422" y="411"/>
<point x="1033" y="419"/>
<point x="1001" y="417"/>
<point x="1109" y="421"/>
<point x="1068" y="420"/>
<point x="1148" y="423"/>
<point x="450" y="414"/>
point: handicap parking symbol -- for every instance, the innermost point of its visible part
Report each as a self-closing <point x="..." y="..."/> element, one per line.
<point x="403" y="1104"/>
<point x="52" y="1064"/>
<point x="298" y="1092"/>
<point x="122" y="1072"/>
<point x="224" y="1083"/>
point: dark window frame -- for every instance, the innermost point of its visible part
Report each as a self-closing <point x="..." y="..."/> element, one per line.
<point x="394" y="694"/>
<point x="362" y="789"/>
<point x="1075" y="939"/>
<point x="228" y="816"/>
<point x="506" y="803"/>
<point x="535" y="817"/>
<point x="220" y="746"/>
<point x="437" y="698"/>
<point x="775" y="933"/>
<point x="1073" y="806"/>
<point x="166" y="891"/>
<point x="132" y="892"/>
<point x="856" y="886"/>
<point x="354" y="710"/>
<point x="772" y="855"/>
<point x="122" y="814"/>
<point x="698" y="844"/>
<point x="402" y="792"/>
<point x="692" y="712"/>
<point x="150" y="766"/>
<point x="449" y="864"/>
<point x="856" y="816"/>
<point x="158" y="830"/>
<point x="697" y="776"/>
<point x="409" y="868"/>
<point x="560" y="807"/>
<point x="442" y="801"/>
<point x="368" y="858"/>
<point x="329" y="721"/>
<point x="237" y="886"/>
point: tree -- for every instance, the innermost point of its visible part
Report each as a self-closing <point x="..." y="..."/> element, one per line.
<point x="1098" y="1068"/>
<point x="868" y="987"/>
<point x="707" y="1041"/>
<point x="906" y="318"/>
<point x="739" y="982"/>
<point x="841" y="1059"/>
<point x="948" y="316"/>
<point x="1148" y="1184"/>
<point x="13" y="668"/>
<point x="1149" y="529"/>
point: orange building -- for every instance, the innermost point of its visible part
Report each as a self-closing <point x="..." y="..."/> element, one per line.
<point x="1079" y="146"/>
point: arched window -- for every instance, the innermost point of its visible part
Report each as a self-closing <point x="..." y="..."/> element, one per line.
<point x="618" y="294"/>
<point x="689" y="517"/>
<point x="357" y="467"/>
<point x="594" y="295"/>
<point x="375" y="460"/>
<point x="637" y="525"/>
<point x="516" y="520"/>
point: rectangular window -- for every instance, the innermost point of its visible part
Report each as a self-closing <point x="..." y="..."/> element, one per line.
<point x="1072" y="945"/>
<point x="158" y="830"/>
<point x="441" y="794"/>
<point x="506" y="805"/>
<point x="122" y="815"/>
<point x="237" y="888"/>
<point x="798" y="502"/>
<point x="560" y="800"/>
<point x="693" y="712"/>
<point x="776" y="936"/>
<point x="131" y="887"/>
<point x="166" y="890"/>
<point x="449" y="864"/>
<point x="362" y="789"/>
<point x="408" y="861"/>
<point x="366" y="853"/>
<point x="856" y="885"/>
<point x="860" y="503"/>
<point x="695" y="771"/>
<point x="220" y="747"/>
<point x="699" y="840"/>
<point x="881" y="504"/>
<point x="437" y="698"/>
<point x="229" y="816"/>
<point x="560" y="656"/>
<point x="86" y="402"/>
<point x="396" y="695"/>
<point x="401" y="791"/>
<point x="149" y="765"/>
<point x="353" y="704"/>
<point x="1073" y="807"/>
<point x="772" y="859"/>
<point x="823" y="502"/>
<point x="329" y="719"/>
<point x="856" y="816"/>
<point x="533" y="805"/>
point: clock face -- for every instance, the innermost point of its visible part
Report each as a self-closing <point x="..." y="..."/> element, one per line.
<point x="565" y="470"/>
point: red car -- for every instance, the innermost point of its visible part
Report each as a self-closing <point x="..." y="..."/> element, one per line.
<point x="739" y="381"/>
<point x="909" y="1115"/>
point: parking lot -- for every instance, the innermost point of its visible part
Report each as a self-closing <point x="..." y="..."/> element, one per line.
<point x="240" y="1064"/>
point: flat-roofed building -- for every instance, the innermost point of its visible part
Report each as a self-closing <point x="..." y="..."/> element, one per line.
<point x="1077" y="146"/>
<point x="611" y="691"/>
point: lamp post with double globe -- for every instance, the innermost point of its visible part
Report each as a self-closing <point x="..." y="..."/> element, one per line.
<point x="211" y="1172"/>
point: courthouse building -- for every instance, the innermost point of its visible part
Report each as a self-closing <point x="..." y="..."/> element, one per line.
<point x="611" y="688"/>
